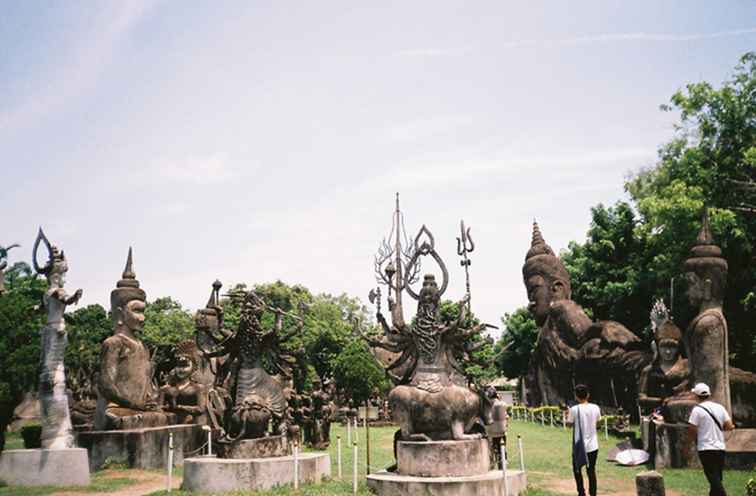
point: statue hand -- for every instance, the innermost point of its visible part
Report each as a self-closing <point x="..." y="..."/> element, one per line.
<point x="77" y="296"/>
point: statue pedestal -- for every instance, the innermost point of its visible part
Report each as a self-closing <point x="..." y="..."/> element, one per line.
<point x="441" y="468"/>
<point x="44" y="467"/>
<point x="263" y="447"/>
<point x="145" y="448"/>
<point x="216" y="475"/>
<point x="673" y="449"/>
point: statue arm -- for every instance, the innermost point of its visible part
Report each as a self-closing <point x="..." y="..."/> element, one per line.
<point x="460" y="317"/>
<point x="61" y="295"/>
<point x="108" y="380"/>
<point x="393" y="347"/>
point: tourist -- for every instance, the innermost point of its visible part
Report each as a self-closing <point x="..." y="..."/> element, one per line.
<point x="584" y="416"/>
<point x="708" y="421"/>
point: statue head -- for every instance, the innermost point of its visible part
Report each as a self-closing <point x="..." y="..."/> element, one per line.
<point x="127" y="301"/>
<point x="705" y="269"/>
<point x="668" y="337"/>
<point x="208" y="320"/>
<point x="56" y="266"/>
<point x="429" y="294"/>
<point x="546" y="279"/>
<point x="187" y="359"/>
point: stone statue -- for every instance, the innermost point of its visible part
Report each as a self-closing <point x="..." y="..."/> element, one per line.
<point x="127" y="397"/>
<point x="209" y="332"/>
<point x="322" y="415"/>
<point x="184" y="395"/>
<point x="4" y="264"/>
<point x="56" y="418"/>
<point x="668" y="373"/>
<point x="432" y="400"/>
<point x="257" y="397"/>
<point x="571" y="348"/>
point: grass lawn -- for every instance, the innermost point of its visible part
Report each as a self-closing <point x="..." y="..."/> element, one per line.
<point x="547" y="461"/>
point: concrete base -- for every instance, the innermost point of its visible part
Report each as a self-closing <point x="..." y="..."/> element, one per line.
<point x="263" y="447"/>
<point x="443" y="458"/>
<point x="489" y="484"/>
<point x="145" y="448"/>
<point x="216" y="475"/>
<point x="44" y="467"/>
<point x="672" y="448"/>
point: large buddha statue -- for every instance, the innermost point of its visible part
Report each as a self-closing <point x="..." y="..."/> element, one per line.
<point x="668" y="373"/>
<point x="127" y="396"/>
<point x="570" y="347"/>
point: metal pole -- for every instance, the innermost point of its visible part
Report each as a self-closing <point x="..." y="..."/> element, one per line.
<point x="564" y="420"/>
<point x="170" y="462"/>
<point x="354" y="468"/>
<point x="349" y="431"/>
<point x="296" y="466"/>
<point x="551" y="417"/>
<point x="522" y="456"/>
<point x="338" y="454"/>
<point x="503" y="455"/>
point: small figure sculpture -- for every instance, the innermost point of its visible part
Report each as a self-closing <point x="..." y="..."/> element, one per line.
<point x="56" y="418"/>
<point x="322" y="414"/>
<point x="184" y="395"/>
<point x="127" y="396"/>
<point x="257" y="398"/>
<point x="570" y="347"/>
<point x="209" y="332"/>
<point x="668" y="373"/>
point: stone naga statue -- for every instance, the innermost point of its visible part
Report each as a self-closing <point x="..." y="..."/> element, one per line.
<point x="257" y="397"/>
<point x="570" y="347"/>
<point x="56" y="419"/>
<point x="432" y="400"/>
<point x="127" y="397"/>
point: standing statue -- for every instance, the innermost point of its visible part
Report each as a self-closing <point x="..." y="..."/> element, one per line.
<point x="322" y="414"/>
<point x="432" y="400"/>
<point x="127" y="396"/>
<point x="184" y="395"/>
<point x="668" y="373"/>
<point x="57" y="431"/>
<point x="571" y="348"/>
<point x="257" y="398"/>
<point x="209" y="332"/>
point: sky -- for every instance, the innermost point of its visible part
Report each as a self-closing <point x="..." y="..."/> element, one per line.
<point x="256" y="141"/>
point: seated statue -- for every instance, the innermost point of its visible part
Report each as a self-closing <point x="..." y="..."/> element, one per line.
<point x="127" y="396"/>
<point x="571" y="348"/>
<point x="668" y="373"/>
<point x="184" y="395"/>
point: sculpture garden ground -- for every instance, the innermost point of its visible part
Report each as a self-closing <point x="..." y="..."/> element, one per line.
<point x="546" y="459"/>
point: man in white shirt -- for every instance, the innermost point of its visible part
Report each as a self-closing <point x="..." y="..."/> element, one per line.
<point x="707" y="423"/>
<point x="589" y="415"/>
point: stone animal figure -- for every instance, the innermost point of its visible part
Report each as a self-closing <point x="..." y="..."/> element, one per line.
<point x="447" y="414"/>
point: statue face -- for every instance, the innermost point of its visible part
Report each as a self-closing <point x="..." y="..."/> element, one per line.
<point x="539" y="298"/>
<point x="429" y="292"/>
<point x="133" y="315"/>
<point x="695" y="292"/>
<point x="668" y="351"/>
<point x="184" y="367"/>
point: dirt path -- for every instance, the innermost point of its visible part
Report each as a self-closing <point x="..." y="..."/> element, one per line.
<point x="618" y="487"/>
<point x="145" y="483"/>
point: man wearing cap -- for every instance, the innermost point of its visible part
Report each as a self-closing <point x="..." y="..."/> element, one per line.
<point x="708" y="421"/>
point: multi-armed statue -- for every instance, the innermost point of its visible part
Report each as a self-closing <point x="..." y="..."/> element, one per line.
<point x="432" y="400"/>
<point x="56" y="420"/>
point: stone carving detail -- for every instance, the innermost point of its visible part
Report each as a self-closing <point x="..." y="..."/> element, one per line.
<point x="127" y="396"/>
<point x="257" y="398"/>
<point x="184" y="395"/>
<point x="571" y="348"/>
<point x="432" y="400"/>
<point x="322" y="414"/>
<point x="56" y="419"/>
<point x="668" y="373"/>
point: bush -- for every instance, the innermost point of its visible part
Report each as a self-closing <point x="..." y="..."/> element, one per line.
<point x="32" y="434"/>
<point x="751" y="487"/>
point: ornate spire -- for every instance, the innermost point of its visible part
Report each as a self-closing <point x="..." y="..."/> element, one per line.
<point x="128" y="278"/>
<point x="704" y="247"/>
<point x="537" y="245"/>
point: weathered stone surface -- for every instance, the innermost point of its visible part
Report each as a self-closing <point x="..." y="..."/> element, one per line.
<point x="27" y="412"/>
<point x="673" y="447"/>
<point x="145" y="448"/>
<point x="489" y="484"/>
<point x="741" y="449"/>
<point x="649" y="483"/>
<point x="443" y="458"/>
<point x="262" y="447"/>
<point x="214" y="475"/>
<point x="45" y="467"/>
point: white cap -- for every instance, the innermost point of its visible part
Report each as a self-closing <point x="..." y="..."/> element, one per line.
<point x="701" y="389"/>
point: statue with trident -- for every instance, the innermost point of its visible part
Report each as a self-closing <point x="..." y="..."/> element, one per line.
<point x="56" y="419"/>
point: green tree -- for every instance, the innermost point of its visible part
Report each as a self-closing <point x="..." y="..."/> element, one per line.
<point x="481" y="367"/>
<point x="87" y="327"/>
<point x="166" y="324"/>
<point x="357" y="372"/>
<point x="517" y="342"/>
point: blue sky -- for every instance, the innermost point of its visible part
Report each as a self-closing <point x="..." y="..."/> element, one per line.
<point x="253" y="141"/>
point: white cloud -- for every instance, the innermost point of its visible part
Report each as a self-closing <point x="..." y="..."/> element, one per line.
<point x="80" y="69"/>
<point x="430" y="52"/>
<point x="193" y="170"/>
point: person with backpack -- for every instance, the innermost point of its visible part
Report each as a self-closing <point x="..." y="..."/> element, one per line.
<point x="584" y="417"/>
<point x="707" y="423"/>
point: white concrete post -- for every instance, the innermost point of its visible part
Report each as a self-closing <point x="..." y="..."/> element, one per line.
<point x="606" y="429"/>
<point x="564" y="420"/>
<point x="502" y="449"/>
<point x="338" y="455"/>
<point x="354" y="468"/>
<point x="170" y="462"/>
<point x="551" y="417"/>
<point x="522" y="456"/>
<point x="209" y="439"/>
<point x="349" y="431"/>
<point x="296" y="466"/>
